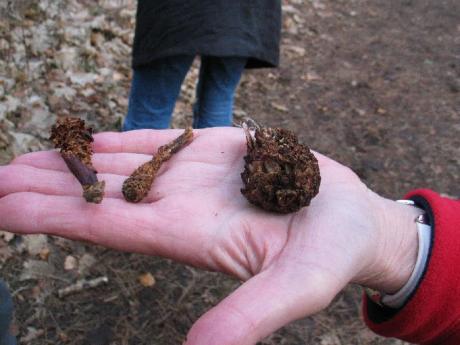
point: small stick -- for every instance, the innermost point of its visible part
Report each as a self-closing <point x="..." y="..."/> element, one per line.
<point x="137" y="186"/>
<point x="81" y="285"/>
<point x="74" y="139"/>
<point x="31" y="335"/>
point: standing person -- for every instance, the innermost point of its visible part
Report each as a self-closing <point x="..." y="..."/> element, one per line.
<point x="6" y="314"/>
<point x="229" y="36"/>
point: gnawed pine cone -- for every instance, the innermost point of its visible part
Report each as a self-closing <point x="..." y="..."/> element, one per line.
<point x="280" y="175"/>
<point x="74" y="139"/>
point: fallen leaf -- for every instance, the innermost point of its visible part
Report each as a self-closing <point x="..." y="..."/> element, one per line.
<point x="36" y="269"/>
<point x="299" y="51"/>
<point x="330" y="339"/>
<point x="35" y="244"/>
<point x="70" y="263"/>
<point x="83" y="78"/>
<point x="311" y="76"/>
<point x="44" y="254"/>
<point x="32" y="334"/>
<point x="85" y="263"/>
<point x="63" y="337"/>
<point x="5" y="253"/>
<point x="7" y="236"/>
<point x="381" y="111"/>
<point x="147" y="280"/>
<point x="279" y="107"/>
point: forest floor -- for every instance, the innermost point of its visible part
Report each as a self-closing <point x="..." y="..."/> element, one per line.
<point x="373" y="84"/>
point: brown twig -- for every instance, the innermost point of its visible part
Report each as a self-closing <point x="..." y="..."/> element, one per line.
<point x="137" y="186"/>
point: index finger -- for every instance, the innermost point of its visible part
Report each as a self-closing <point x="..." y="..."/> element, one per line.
<point x="152" y="229"/>
<point x="139" y="141"/>
<point x="147" y="141"/>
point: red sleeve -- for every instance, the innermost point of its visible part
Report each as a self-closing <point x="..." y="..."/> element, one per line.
<point x="431" y="316"/>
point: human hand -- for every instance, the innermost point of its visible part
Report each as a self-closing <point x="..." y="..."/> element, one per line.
<point x="293" y="265"/>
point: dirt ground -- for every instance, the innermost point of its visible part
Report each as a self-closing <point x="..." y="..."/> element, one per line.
<point x="373" y="84"/>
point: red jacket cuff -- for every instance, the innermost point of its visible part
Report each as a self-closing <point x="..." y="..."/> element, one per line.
<point x="432" y="314"/>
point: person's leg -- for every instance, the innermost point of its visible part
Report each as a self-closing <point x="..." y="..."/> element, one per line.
<point x="6" y="314"/>
<point x="215" y="92"/>
<point x="154" y="91"/>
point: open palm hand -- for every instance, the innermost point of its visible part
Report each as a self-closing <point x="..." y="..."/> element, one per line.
<point x="292" y="265"/>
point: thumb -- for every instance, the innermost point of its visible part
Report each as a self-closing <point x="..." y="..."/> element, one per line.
<point x="262" y="305"/>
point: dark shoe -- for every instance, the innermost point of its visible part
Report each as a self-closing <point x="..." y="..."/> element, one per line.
<point x="6" y="314"/>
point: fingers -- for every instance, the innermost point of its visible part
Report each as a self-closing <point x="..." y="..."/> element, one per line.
<point x="71" y="217"/>
<point x="145" y="141"/>
<point x="114" y="150"/>
<point x="51" y="160"/>
<point x="114" y="163"/>
<point x="17" y="178"/>
<point x="184" y="178"/>
<point x="262" y="305"/>
<point x="140" y="228"/>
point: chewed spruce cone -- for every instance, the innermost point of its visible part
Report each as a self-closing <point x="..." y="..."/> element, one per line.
<point x="74" y="139"/>
<point x="280" y="175"/>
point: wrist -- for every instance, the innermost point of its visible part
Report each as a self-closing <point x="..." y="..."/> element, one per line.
<point x="395" y="253"/>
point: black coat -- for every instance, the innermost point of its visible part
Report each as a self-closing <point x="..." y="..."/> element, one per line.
<point x="236" y="28"/>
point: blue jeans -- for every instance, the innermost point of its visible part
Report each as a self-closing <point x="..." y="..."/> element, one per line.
<point x="6" y="314"/>
<point x="155" y="88"/>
